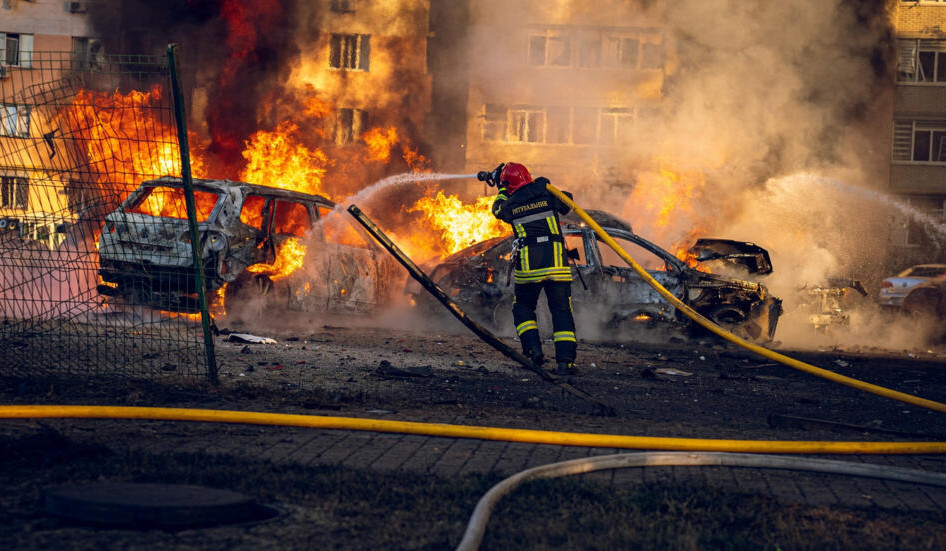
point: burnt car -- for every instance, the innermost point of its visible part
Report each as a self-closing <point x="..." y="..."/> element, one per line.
<point x="606" y="289"/>
<point x="145" y="254"/>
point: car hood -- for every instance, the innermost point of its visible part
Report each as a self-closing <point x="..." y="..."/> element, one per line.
<point x="747" y="255"/>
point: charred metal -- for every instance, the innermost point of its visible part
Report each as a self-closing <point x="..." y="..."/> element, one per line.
<point x="622" y="301"/>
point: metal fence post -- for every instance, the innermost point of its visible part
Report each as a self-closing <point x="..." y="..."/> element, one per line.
<point x="181" y="119"/>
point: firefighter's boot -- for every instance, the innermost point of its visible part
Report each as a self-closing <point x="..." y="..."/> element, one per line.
<point x="567" y="369"/>
<point x="536" y="355"/>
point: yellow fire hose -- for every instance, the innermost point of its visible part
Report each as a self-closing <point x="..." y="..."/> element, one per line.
<point x="525" y="435"/>
<point x="474" y="432"/>
<point x="709" y="325"/>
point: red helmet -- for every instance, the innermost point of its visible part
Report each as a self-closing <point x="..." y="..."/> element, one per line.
<point x="514" y="176"/>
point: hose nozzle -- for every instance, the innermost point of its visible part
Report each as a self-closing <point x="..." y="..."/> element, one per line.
<point x="491" y="177"/>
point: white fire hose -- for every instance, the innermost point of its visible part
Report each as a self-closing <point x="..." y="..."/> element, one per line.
<point x="477" y="524"/>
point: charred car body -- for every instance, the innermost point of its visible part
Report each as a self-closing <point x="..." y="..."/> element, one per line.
<point x="607" y="289"/>
<point x="146" y="256"/>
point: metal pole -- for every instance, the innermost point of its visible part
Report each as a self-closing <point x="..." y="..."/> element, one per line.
<point x="454" y="309"/>
<point x="180" y="117"/>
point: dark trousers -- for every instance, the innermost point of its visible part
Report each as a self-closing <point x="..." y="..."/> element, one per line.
<point x="559" y="296"/>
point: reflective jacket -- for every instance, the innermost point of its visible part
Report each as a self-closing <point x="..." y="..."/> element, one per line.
<point x="534" y="213"/>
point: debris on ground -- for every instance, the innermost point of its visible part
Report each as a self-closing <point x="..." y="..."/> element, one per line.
<point x="249" y="339"/>
<point x="385" y="369"/>
<point x="671" y="371"/>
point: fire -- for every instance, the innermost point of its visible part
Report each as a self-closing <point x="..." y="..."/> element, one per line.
<point x="379" y="142"/>
<point x="414" y="160"/>
<point x="108" y="119"/>
<point x="167" y="202"/>
<point x="460" y="224"/>
<point x="663" y="208"/>
<point x="682" y="251"/>
<point x="280" y="159"/>
<point x="289" y="257"/>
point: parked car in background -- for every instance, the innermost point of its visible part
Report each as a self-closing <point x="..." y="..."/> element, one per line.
<point x="145" y="254"/>
<point x="928" y="300"/>
<point x="894" y="290"/>
<point x="606" y="289"/>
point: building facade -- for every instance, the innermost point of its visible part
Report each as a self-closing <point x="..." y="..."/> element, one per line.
<point x="560" y="86"/>
<point x="370" y="63"/>
<point x="33" y="210"/>
<point x="918" y="160"/>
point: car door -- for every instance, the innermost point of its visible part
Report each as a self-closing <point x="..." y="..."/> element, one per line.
<point x="250" y="244"/>
<point x="350" y="263"/>
<point x="621" y="291"/>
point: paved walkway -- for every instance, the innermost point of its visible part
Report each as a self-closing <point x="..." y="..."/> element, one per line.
<point x="449" y="456"/>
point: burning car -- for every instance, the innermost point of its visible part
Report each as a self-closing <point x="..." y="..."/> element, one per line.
<point x="264" y="247"/>
<point x="606" y="289"/>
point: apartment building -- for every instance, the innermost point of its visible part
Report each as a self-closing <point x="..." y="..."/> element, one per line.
<point x="918" y="161"/>
<point x="560" y="86"/>
<point x="29" y="205"/>
<point x="370" y="63"/>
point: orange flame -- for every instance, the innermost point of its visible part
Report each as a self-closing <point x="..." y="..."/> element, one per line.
<point x="460" y="225"/>
<point x="289" y="258"/>
<point x="415" y="161"/>
<point x="663" y="207"/>
<point x="280" y="159"/>
<point x="379" y="142"/>
<point x="108" y="119"/>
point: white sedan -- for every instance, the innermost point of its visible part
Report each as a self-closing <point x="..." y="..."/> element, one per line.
<point x="894" y="290"/>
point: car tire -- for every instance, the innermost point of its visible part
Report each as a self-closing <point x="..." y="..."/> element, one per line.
<point x="249" y="297"/>
<point x="731" y="318"/>
<point x="922" y="303"/>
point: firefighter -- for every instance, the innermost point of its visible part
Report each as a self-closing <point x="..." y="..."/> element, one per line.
<point x="540" y="262"/>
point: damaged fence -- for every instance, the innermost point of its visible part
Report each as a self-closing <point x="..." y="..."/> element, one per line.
<point x="78" y="135"/>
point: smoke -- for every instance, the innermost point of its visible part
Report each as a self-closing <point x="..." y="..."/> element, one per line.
<point x="764" y="121"/>
<point x="758" y="123"/>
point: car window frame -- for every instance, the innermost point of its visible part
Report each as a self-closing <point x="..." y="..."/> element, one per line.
<point x="144" y="187"/>
<point x="677" y="265"/>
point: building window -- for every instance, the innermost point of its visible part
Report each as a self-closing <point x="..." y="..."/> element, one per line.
<point x="14" y="192"/>
<point x="526" y="125"/>
<point x="349" y="124"/>
<point x="550" y="49"/>
<point x="16" y="49"/>
<point x="921" y="61"/>
<point x="349" y="51"/>
<point x="15" y="121"/>
<point x="494" y="124"/>
<point x="585" y="126"/>
<point x="920" y="141"/>
<point x="87" y="53"/>
<point x="589" y="50"/>
<point x="621" y="51"/>
<point x="343" y="6"/>
<point x="557" y="124"/>
<point x="616" y="125"/>
<point x="652" y="55"/>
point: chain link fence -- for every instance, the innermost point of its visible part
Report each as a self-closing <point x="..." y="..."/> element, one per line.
<point x="78" y="135"/>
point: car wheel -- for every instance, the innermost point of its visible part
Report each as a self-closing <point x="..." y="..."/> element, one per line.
<point x="922" y="303"/>
<point x="730" y="318"/>
<point x="248" y="297"/>
<point x="501" y="318"/>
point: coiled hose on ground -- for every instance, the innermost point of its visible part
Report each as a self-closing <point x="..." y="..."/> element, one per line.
<point x="476" y="526"/>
